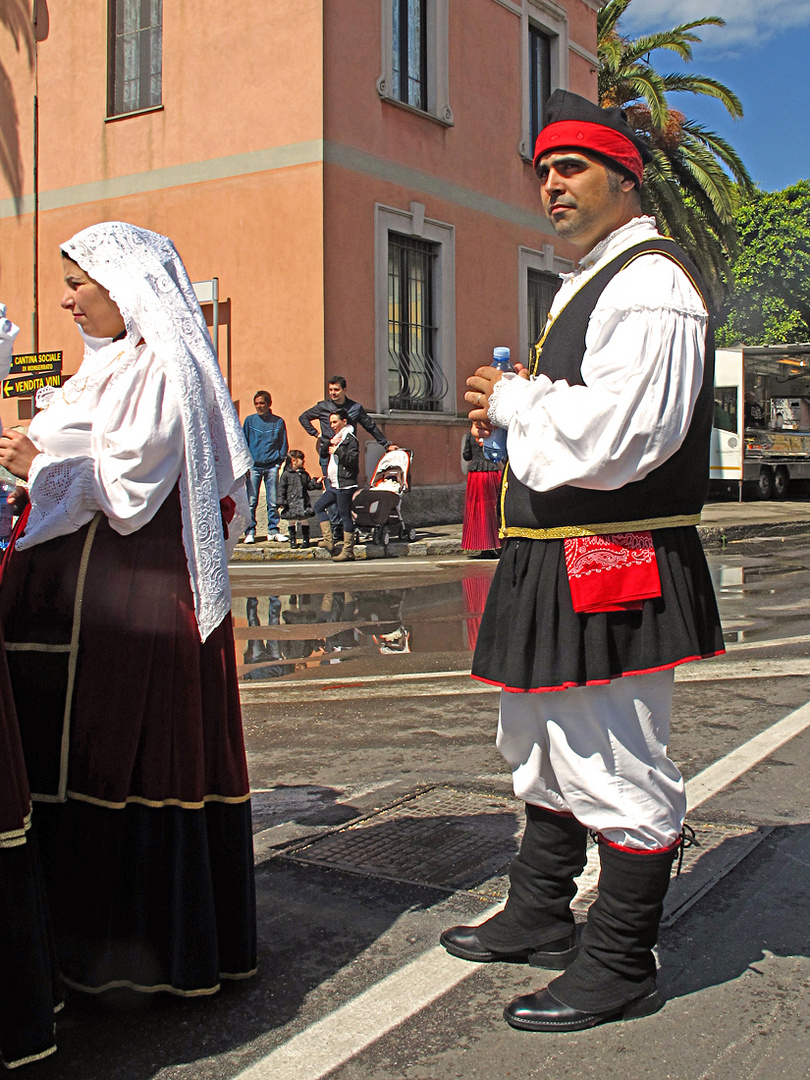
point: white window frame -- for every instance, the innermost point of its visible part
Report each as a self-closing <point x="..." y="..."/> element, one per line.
<point x="438" y="62"/>
<point x="530" y="259"/>
<point x="412" y="222"/>
<point x="552" y="21"/>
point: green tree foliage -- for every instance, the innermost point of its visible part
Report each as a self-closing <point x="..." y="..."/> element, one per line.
<point x="770" y="300"/>
<point x="692" y="185"/>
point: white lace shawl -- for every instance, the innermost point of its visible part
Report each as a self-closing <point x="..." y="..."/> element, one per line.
<point x="147" y="280"/>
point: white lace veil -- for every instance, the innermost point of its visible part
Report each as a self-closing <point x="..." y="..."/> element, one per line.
<point x="146" y="278"/>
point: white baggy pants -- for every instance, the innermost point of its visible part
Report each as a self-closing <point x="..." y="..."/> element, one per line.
<point x="599" y="753"/>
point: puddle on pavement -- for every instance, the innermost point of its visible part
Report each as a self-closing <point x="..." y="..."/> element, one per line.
<point x="290" y="633"/>
<point x="377" y="630"/>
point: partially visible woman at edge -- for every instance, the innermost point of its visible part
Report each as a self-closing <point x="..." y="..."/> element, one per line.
<point x="28" y="991"/>
<point x="116" y="612"/>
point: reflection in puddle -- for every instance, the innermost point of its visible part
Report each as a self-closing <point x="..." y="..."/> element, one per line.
<point x="279" y="635"/>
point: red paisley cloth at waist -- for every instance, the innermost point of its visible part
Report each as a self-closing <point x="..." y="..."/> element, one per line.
<point x="615" y="572"/>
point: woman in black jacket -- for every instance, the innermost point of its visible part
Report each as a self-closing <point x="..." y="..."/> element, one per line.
<point x="341" y="472"/>
<point x="292" y="493"/>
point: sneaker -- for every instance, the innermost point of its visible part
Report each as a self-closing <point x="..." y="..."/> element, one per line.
<point x="278" y="537"/>
<point x="249" y="539"/>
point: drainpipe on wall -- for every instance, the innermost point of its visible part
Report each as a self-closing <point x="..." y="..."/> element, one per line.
<point x="35" y="317"/>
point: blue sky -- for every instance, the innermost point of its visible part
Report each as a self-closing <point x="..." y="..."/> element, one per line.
<point x="762" y="55"/>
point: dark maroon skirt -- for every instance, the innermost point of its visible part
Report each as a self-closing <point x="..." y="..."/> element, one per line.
<point x="532" y="640"/>
<point x="29" y="990"/>
<point x="480" y="529"/>
<point x="132" y="735"/>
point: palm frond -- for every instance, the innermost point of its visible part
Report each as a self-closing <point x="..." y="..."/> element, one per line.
<point x="703" y="85"/>
<point x="694" y="183"/>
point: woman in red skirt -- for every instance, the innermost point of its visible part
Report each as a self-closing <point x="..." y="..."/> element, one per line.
<point x="116" y="612"/>
<point x="480" y="529"/>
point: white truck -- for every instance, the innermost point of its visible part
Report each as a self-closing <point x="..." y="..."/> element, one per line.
<point x="761" y="430"/>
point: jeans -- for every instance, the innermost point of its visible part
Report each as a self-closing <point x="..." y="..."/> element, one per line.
<point x="268" y="473"/>
<point x="333" y="511"/>
<point x="341" y="498"/>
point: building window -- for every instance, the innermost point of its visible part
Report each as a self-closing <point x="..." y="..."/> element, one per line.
<point x="415" y="317"/>
<point x="135" y="55"/>
<point x="415" y="64"/>
<point x="409" y="52"/>
<point x="544" y="65"/>
<point x="539" y="79"/>
<point x="539" y="276"/>
<point x="415" y="378"/>
<point x="541" y="290"/>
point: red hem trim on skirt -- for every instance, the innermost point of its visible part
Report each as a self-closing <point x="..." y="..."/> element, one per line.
<point x="640" y="851"/>
<point x="596" y="682"/>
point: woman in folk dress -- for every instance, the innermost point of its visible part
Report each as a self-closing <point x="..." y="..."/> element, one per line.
<point x="116" y="613"/>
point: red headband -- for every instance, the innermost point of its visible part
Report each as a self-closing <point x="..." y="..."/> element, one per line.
<point x="581" y="135"/>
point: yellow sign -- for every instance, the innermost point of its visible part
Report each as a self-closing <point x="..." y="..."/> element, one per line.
<point x="27" y="385"/>
<point x="44" y="363"/>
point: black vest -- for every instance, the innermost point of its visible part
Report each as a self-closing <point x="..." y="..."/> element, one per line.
<point x="673" y="493"/>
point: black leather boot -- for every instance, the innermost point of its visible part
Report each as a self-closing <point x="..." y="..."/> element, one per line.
<point x="536" y="925"/>
<point x="613" y="975"/>
<point x="293" y="542"/>
<point x="305" y="536"/>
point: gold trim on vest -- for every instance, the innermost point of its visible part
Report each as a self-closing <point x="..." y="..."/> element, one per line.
<point x="604" y="528"/>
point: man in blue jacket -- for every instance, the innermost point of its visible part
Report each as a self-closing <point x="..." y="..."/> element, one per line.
<point x="266" y="437"/>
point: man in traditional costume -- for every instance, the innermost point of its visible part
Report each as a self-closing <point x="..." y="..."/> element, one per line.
<point x="602" y="587"/>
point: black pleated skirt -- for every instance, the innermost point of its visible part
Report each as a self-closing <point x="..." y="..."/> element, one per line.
<point x="532" y="640"/>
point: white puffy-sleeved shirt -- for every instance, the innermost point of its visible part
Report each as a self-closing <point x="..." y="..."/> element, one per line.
<point x="642" y="369"/>
<point x="110" y="439"/>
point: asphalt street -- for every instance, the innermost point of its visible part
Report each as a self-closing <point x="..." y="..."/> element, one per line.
<point x="383" y="813"/>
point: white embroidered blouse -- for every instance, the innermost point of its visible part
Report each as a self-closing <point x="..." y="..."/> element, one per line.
<point x="111" y="439"/>
<point x="642" y="369"/>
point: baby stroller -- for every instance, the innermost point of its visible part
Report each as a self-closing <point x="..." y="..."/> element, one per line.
<point x="377" y="510"/>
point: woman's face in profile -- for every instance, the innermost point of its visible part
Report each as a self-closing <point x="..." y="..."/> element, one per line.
<point x="89" y="303"/>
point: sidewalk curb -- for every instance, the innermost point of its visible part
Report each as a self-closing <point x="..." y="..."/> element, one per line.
<point x="714" y="538"/>
<point x="274" y="552"/>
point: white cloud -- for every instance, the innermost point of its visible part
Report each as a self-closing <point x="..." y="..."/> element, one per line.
<point x="748" y="22"/>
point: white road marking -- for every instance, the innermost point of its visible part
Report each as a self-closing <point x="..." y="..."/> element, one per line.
<point x="332" y="1041"/>
<point x="768" y="643"/>
<point x="424" y="684"/>
<point x="745" y="757"/>
<point x="718" y="668"/>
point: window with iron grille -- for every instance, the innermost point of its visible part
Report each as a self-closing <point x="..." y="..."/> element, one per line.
<point x="539" y="80"/>
<point x="415" y="378"/>
<point x="541" y="290"/>
<point x="409" y="52"/>
<point x="135" y="59"/>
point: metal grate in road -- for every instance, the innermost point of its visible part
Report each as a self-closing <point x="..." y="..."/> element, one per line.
<point x="446" y="838"/>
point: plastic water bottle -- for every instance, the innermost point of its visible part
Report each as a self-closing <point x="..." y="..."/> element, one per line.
<point x="494" y="445"/>
<point x="6" y="513"/>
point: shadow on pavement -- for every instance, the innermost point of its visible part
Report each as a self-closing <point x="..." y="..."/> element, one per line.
<point x="758" y="912"/>
<point x="314" y="922"/>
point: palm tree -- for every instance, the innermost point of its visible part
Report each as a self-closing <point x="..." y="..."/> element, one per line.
<point x="694" y="182"/>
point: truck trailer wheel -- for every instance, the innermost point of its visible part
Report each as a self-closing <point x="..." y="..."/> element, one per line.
<point x="781" y="482"/>
<point x="765" y="483"/>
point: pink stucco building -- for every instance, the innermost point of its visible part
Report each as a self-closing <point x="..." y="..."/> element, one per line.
<point x="355" y="174"/>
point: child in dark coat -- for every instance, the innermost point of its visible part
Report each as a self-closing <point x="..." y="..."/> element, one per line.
<point x="294" y="486"/>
